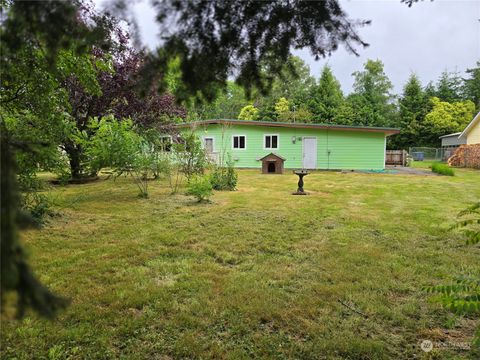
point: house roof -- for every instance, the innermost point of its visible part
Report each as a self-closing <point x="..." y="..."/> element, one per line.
<point x="386" y="130"/>
<point x="470" y="126"/>
<point x="450" y="135"/>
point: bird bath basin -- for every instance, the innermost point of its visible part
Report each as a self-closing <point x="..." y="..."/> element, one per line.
<point x="300" y="174"/>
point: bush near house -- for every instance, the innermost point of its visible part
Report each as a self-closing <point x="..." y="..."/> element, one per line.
<point x="224" y="177"/>
<point x="200" y="187"/>
<point x="442" y="169"/>
<point x="466" y="156"/>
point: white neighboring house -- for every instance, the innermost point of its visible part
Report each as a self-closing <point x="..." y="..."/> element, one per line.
<point x="470" y="135"/>
<point x="472" y="132"/>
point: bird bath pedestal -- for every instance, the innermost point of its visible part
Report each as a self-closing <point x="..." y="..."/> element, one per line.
<point x="300" y="174"/>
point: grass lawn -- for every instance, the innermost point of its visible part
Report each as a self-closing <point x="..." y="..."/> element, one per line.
<point x="257" y="273"/>
<point x="427" y="164"/>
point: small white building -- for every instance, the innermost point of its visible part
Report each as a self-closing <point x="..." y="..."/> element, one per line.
<point x="452" y="140"/>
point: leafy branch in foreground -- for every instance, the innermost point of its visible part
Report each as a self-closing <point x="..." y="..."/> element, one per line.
<point x="463" y="296"/>
<point x="34" y="37"/>
<point x="16" y="274"/>
<point x="470" y="225"/>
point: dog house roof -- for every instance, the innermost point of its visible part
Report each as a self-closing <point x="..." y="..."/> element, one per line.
<point x="273" y="154"/>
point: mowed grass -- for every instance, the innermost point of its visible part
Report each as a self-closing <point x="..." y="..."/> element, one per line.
<point x="257" y="273"/>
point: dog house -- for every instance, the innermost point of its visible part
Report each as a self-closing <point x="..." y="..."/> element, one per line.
<point x="272" y="164"/>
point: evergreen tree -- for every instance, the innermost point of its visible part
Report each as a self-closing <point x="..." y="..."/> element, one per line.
<point x="294" y="82"/>
<point x="471" y="87"/>
<point x="227" y="105"/>
<point x="326" y="97"/>
<point x="449" y="87"/>
<point x="371" y="102"/>
<point x="413" y="106"/>
<point x="430" y="90"/>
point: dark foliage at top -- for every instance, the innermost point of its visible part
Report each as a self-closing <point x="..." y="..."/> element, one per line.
<point x="216" y="39"/>
<point x="119" y="95"/>
<point x="55" y="25"/>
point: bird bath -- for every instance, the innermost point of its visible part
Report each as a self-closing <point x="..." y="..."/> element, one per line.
<point x="300" y="174"/>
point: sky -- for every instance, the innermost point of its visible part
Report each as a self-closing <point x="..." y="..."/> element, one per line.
<point x="426" y="39"/>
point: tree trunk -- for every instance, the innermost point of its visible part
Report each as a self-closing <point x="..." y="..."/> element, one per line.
<point x="74" y="153"/>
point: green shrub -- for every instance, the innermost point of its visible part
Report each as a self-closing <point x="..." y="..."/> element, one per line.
<point x="190" y="155"/>
<point x="200" y="187"/>
<point x="36" y="207"/>
<point x="442" y="169"/>
<point x="224" y="178"/>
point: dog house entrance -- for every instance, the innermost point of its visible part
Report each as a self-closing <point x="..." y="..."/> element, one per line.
<point x="271" y="167"/>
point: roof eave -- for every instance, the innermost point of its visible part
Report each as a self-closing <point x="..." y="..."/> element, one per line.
<point x="387" y="131"/>
<point x="457" y="134"/>
<point x="470" y="125"/>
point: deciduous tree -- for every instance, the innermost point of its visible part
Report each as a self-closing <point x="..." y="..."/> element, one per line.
<point x="119" y="95"/>
<point x="446" y="118"/>
<point x="248" y="112"/>
<point x="282" y="109"/>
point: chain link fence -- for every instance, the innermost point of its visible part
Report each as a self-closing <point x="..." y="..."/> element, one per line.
<point x="430" y="154"/>
<point x="462" y="156"/>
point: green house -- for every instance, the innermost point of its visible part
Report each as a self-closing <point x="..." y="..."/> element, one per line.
<point x="308" y="146"/>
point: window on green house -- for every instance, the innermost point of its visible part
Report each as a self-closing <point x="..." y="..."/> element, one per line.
<point x="271" y="142"/>
<point x="239" y="142"/>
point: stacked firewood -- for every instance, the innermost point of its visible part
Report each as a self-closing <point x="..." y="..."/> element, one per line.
<point x="466" y="156"/>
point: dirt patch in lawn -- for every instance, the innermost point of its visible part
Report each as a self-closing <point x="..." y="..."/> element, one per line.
<point x="409" y="171"/>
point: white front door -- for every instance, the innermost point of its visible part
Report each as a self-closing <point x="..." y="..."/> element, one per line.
<point x="309" y="152"/>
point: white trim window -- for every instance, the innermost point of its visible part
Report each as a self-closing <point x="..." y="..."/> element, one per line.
<point x="239" y="142"/>
<point x="271" y="142"/>
<point x="207" y="144"/>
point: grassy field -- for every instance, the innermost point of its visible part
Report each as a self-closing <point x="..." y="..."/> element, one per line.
<point x="257" y="273"/>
